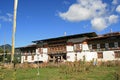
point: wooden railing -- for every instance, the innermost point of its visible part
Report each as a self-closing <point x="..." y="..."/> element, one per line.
<point x="59" y="49"/>
<point x="105" y="49"/>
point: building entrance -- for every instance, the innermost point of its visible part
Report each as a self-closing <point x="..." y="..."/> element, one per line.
<point x="57" y="57"/>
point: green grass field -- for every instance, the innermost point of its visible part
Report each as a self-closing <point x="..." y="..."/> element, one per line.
<point x="61" y="73"/>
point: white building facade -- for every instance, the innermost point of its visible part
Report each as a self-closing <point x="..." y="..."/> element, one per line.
<point x="73" y="48"/>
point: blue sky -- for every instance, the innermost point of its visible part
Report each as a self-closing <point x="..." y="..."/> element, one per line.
<point x="42" y="19"/>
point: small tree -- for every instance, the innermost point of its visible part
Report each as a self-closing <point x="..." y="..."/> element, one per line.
<point x="8" y="58"/>
<point x="1" y="50"/>
<point x="1" y="58"/>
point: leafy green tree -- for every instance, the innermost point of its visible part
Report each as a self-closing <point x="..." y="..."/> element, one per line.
<point x="1" y="54"/>
<point x="1" y="58"/>
<point x="1" y="50"/>
<point x="8" y="58"/>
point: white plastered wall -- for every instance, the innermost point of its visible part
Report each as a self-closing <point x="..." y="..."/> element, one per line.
<point x="88" y="56"/>
<point x="71" y="57"/>
<point x="108" y="55"/>
<point x="41" y="57"/>
<point x="29" y="59"/>
<point x="70" y="53"/>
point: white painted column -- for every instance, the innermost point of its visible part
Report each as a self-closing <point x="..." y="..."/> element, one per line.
<point x="70" y="52"/>
<point x="45" y="55"/>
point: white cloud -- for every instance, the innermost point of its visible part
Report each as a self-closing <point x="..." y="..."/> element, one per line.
<point x="115" y="2"/>
<point x="7" y="18"/>
<point x="9" y="15"/>
<point x="76" y="13"/>
<point x="118" y="9"/>
<point x="3" y="18"/>
<point x="99" y="23"/>
<point x="94" y="10"/>
<point x="84" y="10"/>
<point x="113" y="19"/>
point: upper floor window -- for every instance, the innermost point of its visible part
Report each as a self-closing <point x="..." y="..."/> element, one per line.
<point x="116" y="44"/>
<point x="102" y="45"/>
<point x="117" y="54"/>
<point x="90" y="46"/>
<point x="100" y="54"/>
<point x="106" y="45"/>
<point x="32" y="57"/>
<point x="77" y="46"/>
<point x="111" y="45"/>
<point x="41" y="55"/>
<point x="25" y="57"/>
<point x="98" y="46"/>
<point x="40" y="50"/>
<point x="94" y="46"/>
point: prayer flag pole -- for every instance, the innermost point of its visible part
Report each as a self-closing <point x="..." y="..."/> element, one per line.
<point x="14" y="30"/>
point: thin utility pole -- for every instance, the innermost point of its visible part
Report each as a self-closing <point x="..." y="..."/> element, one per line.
<point x="4" y="49"/>
<point x="14" y="30"/>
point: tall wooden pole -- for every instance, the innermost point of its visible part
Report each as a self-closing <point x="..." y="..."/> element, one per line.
<point x="4" y="49"/>
<point x="14" y="30"/>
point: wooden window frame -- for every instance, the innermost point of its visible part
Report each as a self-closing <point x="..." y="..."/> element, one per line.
<point x="100" y="55"/>
<point x="94" y="46"/>
<point x="32" y="56"/>
<point x="26" y="57"/>
<point x="106" y="45"/>
<point x="116" y="44"/>
<point x="117" y="54"/>
<point x="98" y="46"/>
<point x="102" y="45"/>
<point x="111" y="45"/>
<point x="90" y="46"/>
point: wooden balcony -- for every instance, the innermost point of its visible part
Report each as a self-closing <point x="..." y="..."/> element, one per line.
<point x="54" y="50"/>
<point x="106" y="49"/>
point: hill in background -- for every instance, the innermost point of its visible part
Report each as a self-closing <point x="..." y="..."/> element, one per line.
<point x="7" y="48"/>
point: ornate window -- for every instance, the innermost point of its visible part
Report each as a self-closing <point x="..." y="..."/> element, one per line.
<point x="106" y="45"/>
<point x="41" y="55"/>
<point x="116" y="44"/>
<point x="77" y="47"/>
<point x="68" y="57"/>
<point x="111" y="45"/>
<point x="100" y="54"/>
<point x="32" y="56"/>
<point x="25" y="57"/>
<point x="98" y="46"/>
<point x="94" y="46"/>
<point x="90" y="46"/>
<point x="117" y="54"/>
<point x="102" y="45"/>
<point x="40" y="50"/>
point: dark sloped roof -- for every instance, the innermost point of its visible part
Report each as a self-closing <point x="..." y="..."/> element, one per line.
<point x="91" y="34"/>
<point x="113" y="34"/>
<point x="76" y="40"/>
<point x="28" y="46"/>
